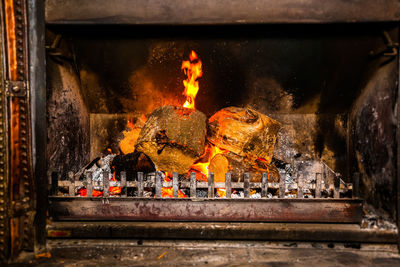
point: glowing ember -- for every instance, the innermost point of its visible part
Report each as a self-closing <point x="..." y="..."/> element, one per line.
<point x="221" y="192"/>
<point x="168" y="191"/>
<point x="131" y="134"/>
<point x="201" y="166"/>
<point x="193" y="71"/>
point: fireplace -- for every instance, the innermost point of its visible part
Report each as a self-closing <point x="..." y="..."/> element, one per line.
<point x="293" y="121"/>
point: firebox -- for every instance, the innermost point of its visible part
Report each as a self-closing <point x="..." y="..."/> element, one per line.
<point x="225" y="120"/>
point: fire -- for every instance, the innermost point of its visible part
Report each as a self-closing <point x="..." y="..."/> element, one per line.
<point x="193" y="71"/>
<point x="221" y="192"/>
<point x="168" y="191"/>
<point x="113" y="190"/>
<point x="202" y="165"/>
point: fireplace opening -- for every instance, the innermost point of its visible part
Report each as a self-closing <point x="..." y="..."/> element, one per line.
<point x="285" y="124"/>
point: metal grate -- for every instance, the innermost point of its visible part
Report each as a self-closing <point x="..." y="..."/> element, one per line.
<point x="318" y="188"/>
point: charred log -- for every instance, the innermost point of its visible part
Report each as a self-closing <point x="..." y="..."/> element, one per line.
<point x="173" y="138"/>
<point x="132" y="163"/>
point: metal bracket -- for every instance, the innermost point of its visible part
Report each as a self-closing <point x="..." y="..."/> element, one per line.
<point x="15" y="88"/>
<point x="391" y="47"/>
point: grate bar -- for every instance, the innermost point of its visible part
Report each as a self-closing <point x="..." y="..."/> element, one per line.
<point x="158" y="184"/>
<point x="211" y="185"/>
<point x="124" y="191"/>
<point x="282" y="185"/>
<point x="246" y="185"/>
<point x="300" y="182"/>
<point x="193" y="185"/>
<point x="140" y="184"/>
<point x="89" y="185"/>
<point x="318" y="187"/>
<point x="175" y="185"/>
<point x="106" y="184"/>
<point x="264" y="185"/>
<point x="228" y="185"/>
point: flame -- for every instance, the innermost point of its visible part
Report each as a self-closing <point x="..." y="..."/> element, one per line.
<point x="193" y="71"/>
<point x="168" y="191"/>
<point x="131" y="134"/>
<point x="221" y="192"/>
<point x="202" y="165"/>
<point x="114" y="190"/>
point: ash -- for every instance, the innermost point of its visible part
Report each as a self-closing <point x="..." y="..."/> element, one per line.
<point x="372" y="220"/>
<point x="97" y="169"/>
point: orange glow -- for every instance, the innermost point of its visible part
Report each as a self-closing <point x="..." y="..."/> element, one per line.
<point x="221" y="192"/>
<point x="168" y="191"/>
<point x="131" y="134"/>
<point x="202" y="165"/>
<point x="11" y="39"/>
<point x="193" y="71"/>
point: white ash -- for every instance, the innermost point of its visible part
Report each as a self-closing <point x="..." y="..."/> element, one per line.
<point x="255" y="195"/>
<point x="375" y="220"/>
<point x="239" y="194"/>
<point x="102" y="165"/>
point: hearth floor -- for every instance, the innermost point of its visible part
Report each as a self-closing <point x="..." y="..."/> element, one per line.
<point x="209" y="253"/>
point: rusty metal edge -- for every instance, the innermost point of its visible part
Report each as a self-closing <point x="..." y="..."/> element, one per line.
<point x="218" y="12"/>
<point x="254" y="210"/>
<point x="4" y="197"/>
<point x="221" y="231"/>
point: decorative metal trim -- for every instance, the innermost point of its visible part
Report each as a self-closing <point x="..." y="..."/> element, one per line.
<point x="15" y="132"/>
<point x="15" y="88"/>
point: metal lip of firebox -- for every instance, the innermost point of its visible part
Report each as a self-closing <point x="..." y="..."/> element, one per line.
<point x="343" y="210"/>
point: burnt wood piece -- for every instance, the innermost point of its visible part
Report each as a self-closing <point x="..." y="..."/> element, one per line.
<point x="173" y="138"/>
<point x="221" y="164"/>
<point x="132" y="163"/>
<point x="220" y="209"/>
<point x="244" y="132"/>
<point x="218" y="12"/>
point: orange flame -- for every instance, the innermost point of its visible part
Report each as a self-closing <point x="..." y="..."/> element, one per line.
<point x="193" y="70"/>
<point x="168" y="191"/>
<point x="202" y="165"/>
<point x="221" y="192"/>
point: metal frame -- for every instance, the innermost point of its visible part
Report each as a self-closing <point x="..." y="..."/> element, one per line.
<point x="20" y="81"/>
<point x="211" y="12"/>
<point x="177" y="209"/>
<point x="16" y="190"/>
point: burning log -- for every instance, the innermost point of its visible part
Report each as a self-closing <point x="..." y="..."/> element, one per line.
<point x="244" y="132"/>
<point x="237" y="165"/>
<point x="132" y="163"/>
<point x="173" y="138"/>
